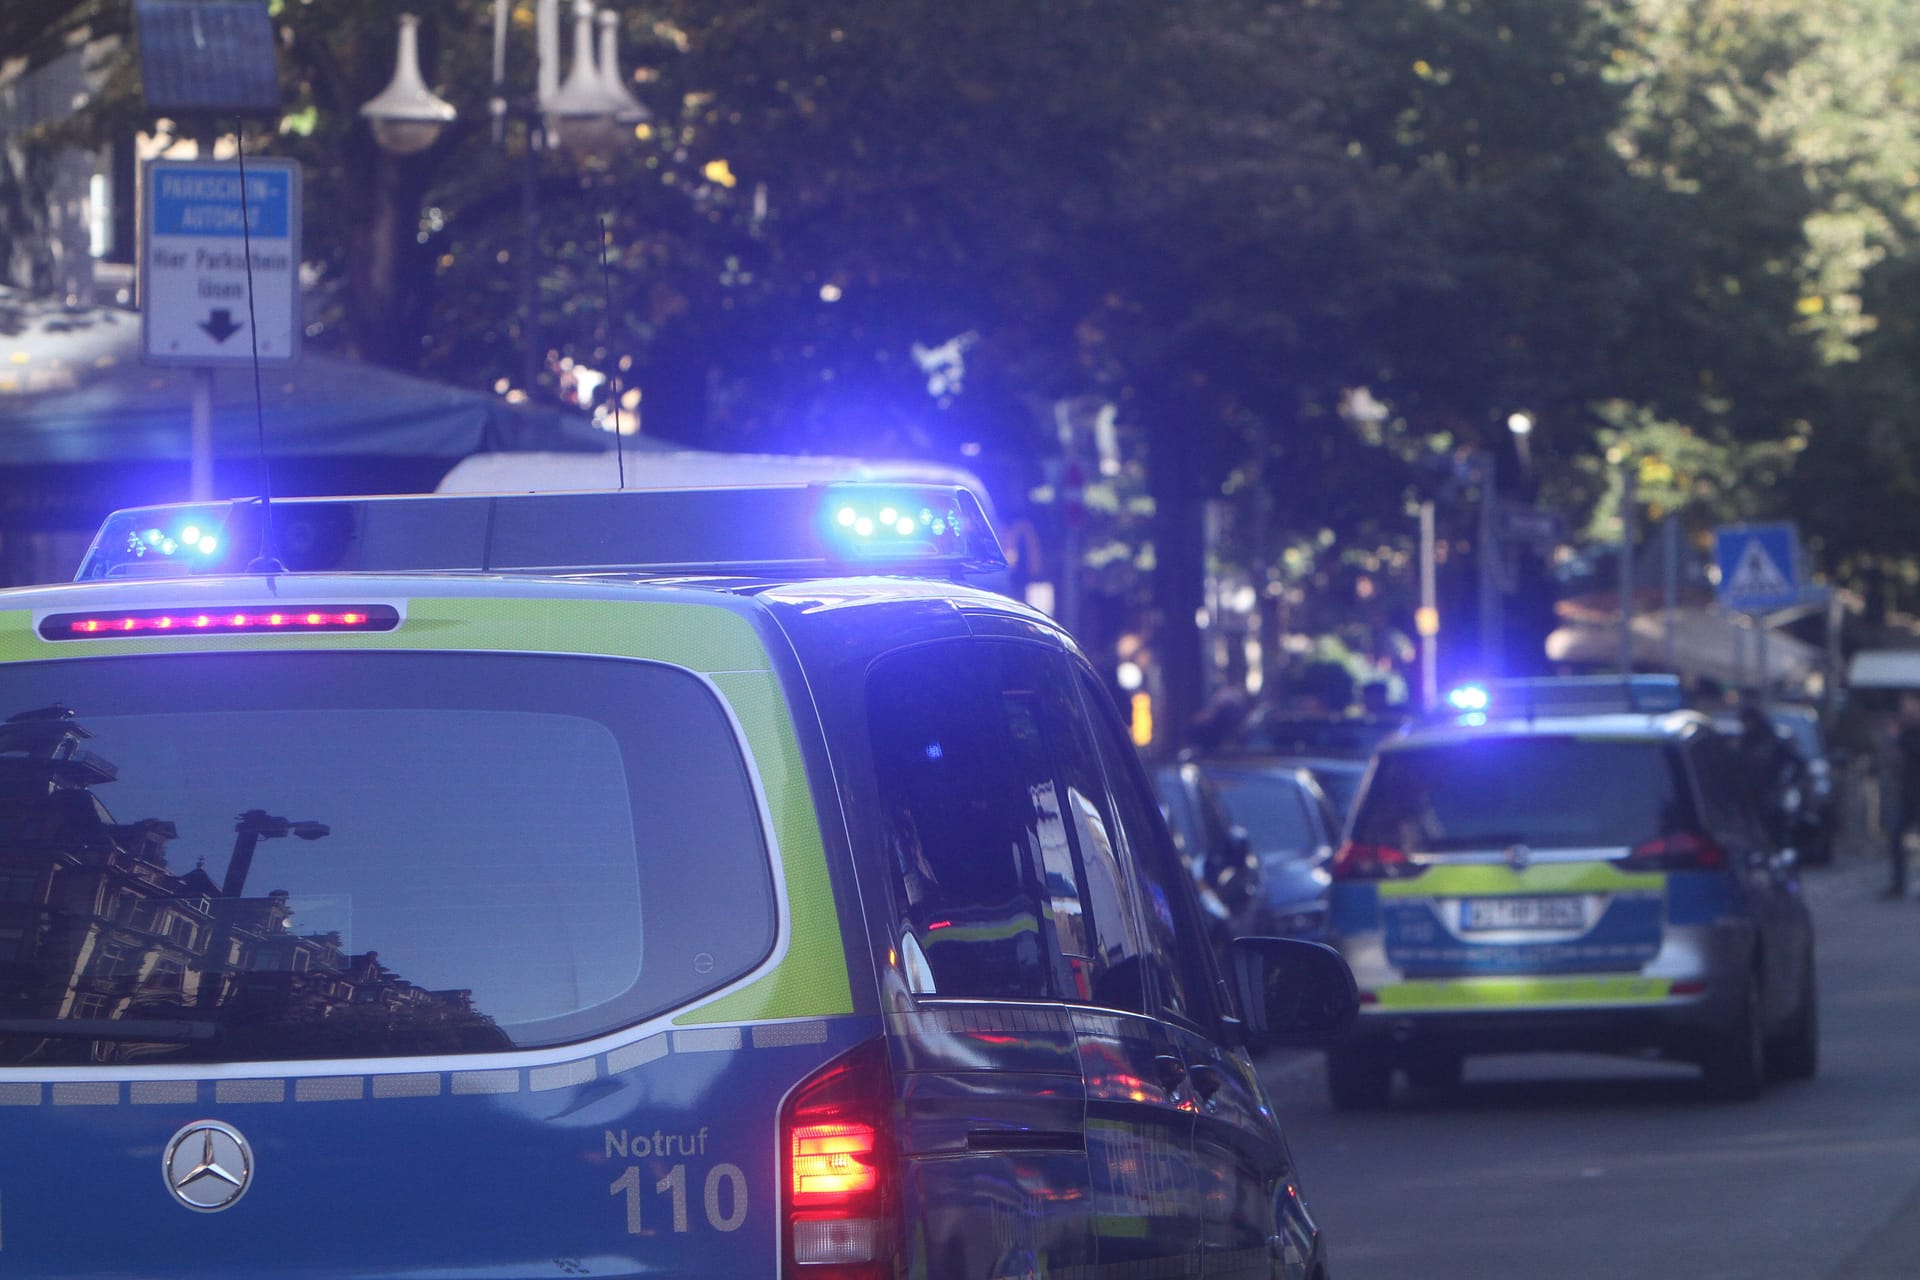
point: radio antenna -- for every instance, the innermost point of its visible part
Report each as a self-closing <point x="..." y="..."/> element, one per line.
<point x="264" y="562"/>
<point x="606" y="329"/>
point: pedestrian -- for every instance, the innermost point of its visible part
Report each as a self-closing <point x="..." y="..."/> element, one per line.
<point x="1906" y="800"/>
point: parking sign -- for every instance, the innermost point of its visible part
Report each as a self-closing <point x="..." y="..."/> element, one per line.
<point x="200" y="233"/>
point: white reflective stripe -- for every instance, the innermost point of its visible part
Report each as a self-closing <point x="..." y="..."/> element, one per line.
<point x="250" y="1091"/>
<point x="707" y="1040"/>
<point x="330" y="1089"/>
<point x="416" y="1085"/>
<point x="567" y="1073"/>
<point x="467" y="1082"/>
<point x="637" y="1054"/>
<point x="775" y="1035"/>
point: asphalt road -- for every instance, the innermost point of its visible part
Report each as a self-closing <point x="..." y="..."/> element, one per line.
<point x="1577" y="1167"/>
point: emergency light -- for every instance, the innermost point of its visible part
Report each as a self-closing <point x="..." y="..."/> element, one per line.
<point x="764" y="531"/>
<point x="1531" y="696"/>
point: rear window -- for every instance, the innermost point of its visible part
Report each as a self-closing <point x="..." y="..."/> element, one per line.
<point x="246" y="857"/>
<point x="1273" y="810"/>
<point x="1544" y="792"/>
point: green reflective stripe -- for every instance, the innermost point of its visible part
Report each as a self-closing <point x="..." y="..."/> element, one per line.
<point x="701" y="638"/>
<point x="811" y="979"/>
<point x="1470" y="880"/>
<point x="1513" y="993"/>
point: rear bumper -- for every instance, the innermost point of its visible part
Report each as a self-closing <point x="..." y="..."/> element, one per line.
<point x="1690" y="993"/>
<point x="1680" y="1028"/>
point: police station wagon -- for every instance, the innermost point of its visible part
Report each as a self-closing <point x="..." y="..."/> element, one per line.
<point x="1570" y="864"/>
<point x="692" y="883"/>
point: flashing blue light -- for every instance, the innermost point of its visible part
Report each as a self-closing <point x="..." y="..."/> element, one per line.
<point x="1468" y="697"/>
<point x="879" y="524"/>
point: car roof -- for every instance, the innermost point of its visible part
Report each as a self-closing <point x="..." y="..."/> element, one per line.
<point x="1625" y="726"/>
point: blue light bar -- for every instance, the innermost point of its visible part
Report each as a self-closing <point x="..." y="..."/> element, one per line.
<point x="771" y="531"/>
<point x="1535" y="696"/>
<point x="1468" y="697"/>
<point x="889" y="523"/>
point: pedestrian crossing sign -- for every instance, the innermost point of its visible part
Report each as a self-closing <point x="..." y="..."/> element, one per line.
<point x="1759" y="566"/>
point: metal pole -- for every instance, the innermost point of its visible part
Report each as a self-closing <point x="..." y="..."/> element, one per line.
<point x="1429" y="642"/>
<point x="200" y="406"/>
<point x="1627" y="499"/>
<point x="1492" y="660"/>
<point x="200" y="436"/>
<point x="1760" y="644"/>
<point x="1670" y="588"/>
<point x="532" y="359"/>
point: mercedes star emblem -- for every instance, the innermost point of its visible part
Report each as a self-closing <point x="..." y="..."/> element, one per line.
<point x="208" y="1166"/>
<point x="1519" y="857"/>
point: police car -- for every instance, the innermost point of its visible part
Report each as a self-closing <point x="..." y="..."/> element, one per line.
<point x="1569" y="864"/>
<point x="685" y="883"/>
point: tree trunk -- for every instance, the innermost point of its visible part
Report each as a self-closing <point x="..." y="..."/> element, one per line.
<point x="1179" y="570"/>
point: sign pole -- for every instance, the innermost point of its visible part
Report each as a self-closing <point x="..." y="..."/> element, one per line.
<point x="200" y="429"/>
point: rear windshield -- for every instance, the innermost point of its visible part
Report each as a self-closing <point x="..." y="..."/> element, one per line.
<point x="245" y="857"/>
<point x="1544" y="792"/>
<point x="1273" y="810"/>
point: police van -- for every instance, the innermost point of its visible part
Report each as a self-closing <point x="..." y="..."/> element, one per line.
<point x="700" y="883"/>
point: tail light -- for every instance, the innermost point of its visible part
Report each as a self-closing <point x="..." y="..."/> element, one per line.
<point x="1357" y="861"/>
<point x="1680" y="851"/>
<point x="837" y="1174"/>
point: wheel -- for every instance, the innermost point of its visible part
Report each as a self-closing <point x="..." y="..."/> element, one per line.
<point x="1359" y="1077"/>
<point x="1437" y="1072"/>
<point x="1734" y="1067"/>
<point x="1795" y="1054"/>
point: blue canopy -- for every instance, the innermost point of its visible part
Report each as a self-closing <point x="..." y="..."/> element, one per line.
<point x="73" y="390"/>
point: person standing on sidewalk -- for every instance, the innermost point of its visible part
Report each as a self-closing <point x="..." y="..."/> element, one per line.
<point x="1906" y="800"/>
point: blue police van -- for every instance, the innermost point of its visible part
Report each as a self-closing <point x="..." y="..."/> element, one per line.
<point x="699" y="883"/>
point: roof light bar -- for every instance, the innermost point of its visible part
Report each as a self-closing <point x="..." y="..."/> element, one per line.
<point x="1531" y="696"/>
<point x="223" y="621"/>
<point x="764" y="531"/>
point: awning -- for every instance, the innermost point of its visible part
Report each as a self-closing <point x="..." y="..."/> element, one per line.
<point x="73" y="390"/>
<point x="1706" y="643"/>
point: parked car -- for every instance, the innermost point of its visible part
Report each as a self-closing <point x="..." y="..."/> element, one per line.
<point x="1807" y="796"/>
<point x="1528" y="879"/>
<point x="1216" y="850"/>
<point x="1294" y="830"/>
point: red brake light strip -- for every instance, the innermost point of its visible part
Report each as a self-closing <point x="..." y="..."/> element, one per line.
<point x="332" y="617"/>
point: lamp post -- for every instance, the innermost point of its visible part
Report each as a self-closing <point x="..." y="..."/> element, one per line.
<point x="586" y="115"/>
<point x="249" y="829"/>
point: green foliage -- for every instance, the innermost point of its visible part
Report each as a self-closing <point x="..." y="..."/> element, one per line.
<point x="1683" y="226"/>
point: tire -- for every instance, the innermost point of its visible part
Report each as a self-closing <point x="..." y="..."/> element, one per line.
<point x="1359" y="1077"/>
<point x="1795" y="1054"/>
<point x="1436" y="1072"/>
<point x="1734" y="1067"/>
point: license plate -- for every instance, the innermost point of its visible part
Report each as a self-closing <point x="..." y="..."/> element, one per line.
<point x="1523" y="913"/>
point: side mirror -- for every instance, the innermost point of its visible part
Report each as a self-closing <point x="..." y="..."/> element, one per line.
<point x="1292" y="993"/>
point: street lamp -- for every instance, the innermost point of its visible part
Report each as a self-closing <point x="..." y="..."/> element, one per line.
<point x="406" y="116"/>
<point x="586" y="116"/>
<point x="249" y="829"/>
<point x="1521" y="425"/>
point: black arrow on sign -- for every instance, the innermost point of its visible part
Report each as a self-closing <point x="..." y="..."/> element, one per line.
<point x="220" y="326"/>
